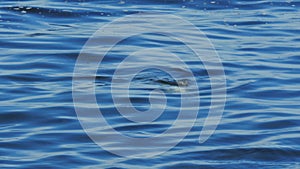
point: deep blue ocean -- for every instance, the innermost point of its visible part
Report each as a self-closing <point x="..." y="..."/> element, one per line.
<point x="258" y="43"/>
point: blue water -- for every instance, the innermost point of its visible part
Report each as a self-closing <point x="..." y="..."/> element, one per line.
<point x="257" y="41"/>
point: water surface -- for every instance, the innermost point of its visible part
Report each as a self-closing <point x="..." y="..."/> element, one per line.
<point x="258" y="42"/>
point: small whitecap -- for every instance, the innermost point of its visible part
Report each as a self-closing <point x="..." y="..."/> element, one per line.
<point x="67" y="10"/>
<point x="122" y="2"/>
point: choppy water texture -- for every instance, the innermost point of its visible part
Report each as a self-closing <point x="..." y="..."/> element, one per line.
<point x="258" y="42"/>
